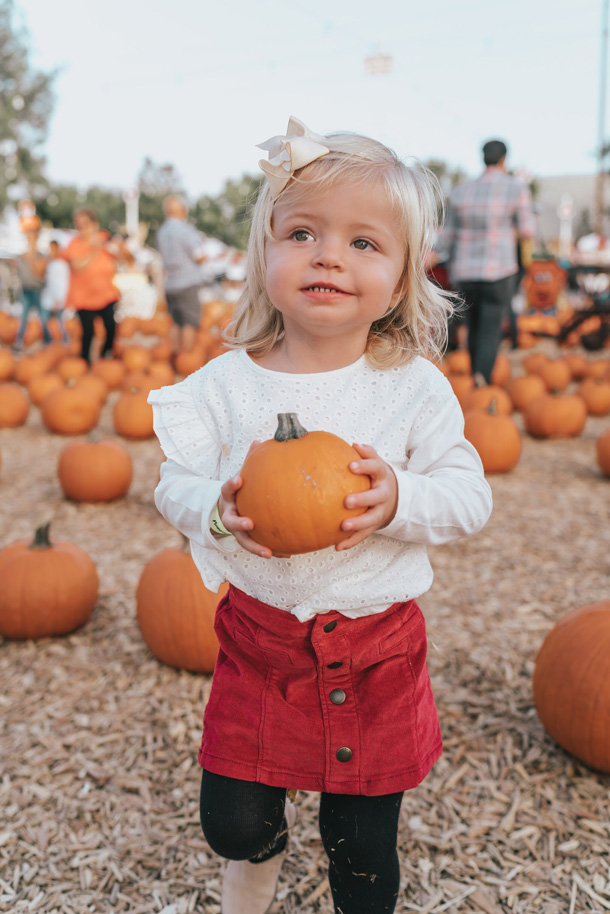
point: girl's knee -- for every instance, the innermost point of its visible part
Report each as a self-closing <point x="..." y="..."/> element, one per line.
<point x="231" y="839"/>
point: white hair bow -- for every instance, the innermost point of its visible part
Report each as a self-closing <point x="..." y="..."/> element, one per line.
<point x="288" y="153"/>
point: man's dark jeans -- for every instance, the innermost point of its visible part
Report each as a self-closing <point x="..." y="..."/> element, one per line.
<point x="486" y="304"/>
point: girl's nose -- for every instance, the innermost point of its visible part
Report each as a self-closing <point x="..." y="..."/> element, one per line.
<point x="328" y="254"/>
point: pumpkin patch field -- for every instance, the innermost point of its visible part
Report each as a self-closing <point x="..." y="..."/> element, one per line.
<point x="99" y="781"/>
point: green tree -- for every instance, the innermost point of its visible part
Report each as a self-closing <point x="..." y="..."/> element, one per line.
<point x="26" y="101"/>
<point x="227" y="216"/>
<point x="60" y="201"/>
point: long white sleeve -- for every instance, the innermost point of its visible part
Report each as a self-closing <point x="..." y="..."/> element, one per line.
<point x="443" y="494"/>
<point x="187" y="501"/>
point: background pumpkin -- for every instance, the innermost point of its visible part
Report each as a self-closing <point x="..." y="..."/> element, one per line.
<point x="111" y="371"/>
<point x="555" y="415"/>
<point x="94" y="471"/>
<point x="132" y="415"/>
<point x="495" y="437"/>
<point x="524" y="388"/>
<point x="14" y="405"/>
<point x="572" y="684"/>
<point x="70" y="411"/>
<point x="175" y="611"/>
<point x="596" y="394"/>
<point x="48" y="588"/>
<point x="7" y="364"/>
<point x="482" y="397"/>
<point x="290" y="517"/>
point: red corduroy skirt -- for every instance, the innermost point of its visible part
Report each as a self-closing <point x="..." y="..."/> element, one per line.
<point x="333" y="704"/>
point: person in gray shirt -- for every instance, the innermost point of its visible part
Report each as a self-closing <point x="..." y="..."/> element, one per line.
<point x="180" y="246"/>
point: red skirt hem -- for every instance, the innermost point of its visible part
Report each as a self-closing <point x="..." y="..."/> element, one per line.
<point x="298" y="781"/>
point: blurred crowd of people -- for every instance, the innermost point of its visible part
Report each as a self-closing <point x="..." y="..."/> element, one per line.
<point x="93" y="274"/>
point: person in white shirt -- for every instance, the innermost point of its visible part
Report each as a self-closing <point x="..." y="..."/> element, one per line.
<point x="55" y="289"/>
<point x="321" y="681"/>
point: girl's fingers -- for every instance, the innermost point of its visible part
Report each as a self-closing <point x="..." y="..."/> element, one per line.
<point x="373" y="467"/>
<point x="365" y="450"/>
<point x="367" y="499"/>
<point x="370" y="521"/>
<point x="255" y="548"/>
<point x="357" y="537"/>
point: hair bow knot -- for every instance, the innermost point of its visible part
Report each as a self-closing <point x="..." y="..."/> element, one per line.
<point x="288" y="153"/>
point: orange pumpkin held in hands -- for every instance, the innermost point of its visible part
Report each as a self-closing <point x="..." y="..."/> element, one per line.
<point x="48" y="588"/>
<point x="294" y="488"/>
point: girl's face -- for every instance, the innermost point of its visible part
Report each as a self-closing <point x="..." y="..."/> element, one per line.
<point x="335" y="263"/>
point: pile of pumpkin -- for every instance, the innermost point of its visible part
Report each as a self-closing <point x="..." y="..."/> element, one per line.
<point x="532" y="325"/>
<point x="70" y="394"/>
<point x="554" y="395"/>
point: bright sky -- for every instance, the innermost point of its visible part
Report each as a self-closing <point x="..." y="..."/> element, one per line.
<point x="200" y="83"/>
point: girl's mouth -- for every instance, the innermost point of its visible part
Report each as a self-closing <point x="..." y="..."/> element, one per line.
<point x="325" y="289"/>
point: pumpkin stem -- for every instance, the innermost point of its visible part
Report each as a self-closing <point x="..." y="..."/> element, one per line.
<point x="493" y="406"/>
<point x="41" y="538"/>
<point x="289" y="427"/>
<point x="186" y="544"/>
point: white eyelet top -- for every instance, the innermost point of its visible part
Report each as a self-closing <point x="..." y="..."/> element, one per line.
<point x="409" y="414"/>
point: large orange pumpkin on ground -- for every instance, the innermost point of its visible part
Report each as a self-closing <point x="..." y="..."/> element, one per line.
<point x="572" y="684"/>
<point x="496" y="438"/>
<point x="132" y="415"/>
<point x="481" y="398"/>
<point x="596" y="394"/>
<point x="48" y="588"/>
<point x="94" y="471"/>
<point x="14" y="405"/>
<point x="555" y="416"/>
<point x="524" y="388"/>
<point x="175" y="612"/>
<point x="70" y="411"/>
<point x="111" y="371"/>
<point x="294" y="487"/>
<point x="7" y="364"/>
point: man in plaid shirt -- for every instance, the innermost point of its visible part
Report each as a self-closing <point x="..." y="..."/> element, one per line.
<point x="485" y="219"/>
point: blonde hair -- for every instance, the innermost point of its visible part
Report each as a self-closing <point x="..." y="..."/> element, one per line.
<point x="417" y="324"/>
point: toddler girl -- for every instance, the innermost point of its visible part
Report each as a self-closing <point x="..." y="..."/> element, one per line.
<point x="321" y="681"/>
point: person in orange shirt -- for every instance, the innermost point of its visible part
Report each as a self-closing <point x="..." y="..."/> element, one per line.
<point x="92" y="292"/>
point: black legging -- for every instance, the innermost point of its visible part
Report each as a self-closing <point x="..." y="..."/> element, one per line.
<point x="87" y="318"/>
<point x="242" y="821"/>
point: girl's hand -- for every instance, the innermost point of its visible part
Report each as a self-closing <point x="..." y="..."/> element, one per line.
<point x="380" y="501"/>
<point x="238" y="525"/>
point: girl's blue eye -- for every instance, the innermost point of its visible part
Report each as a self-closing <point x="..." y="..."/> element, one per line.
<point x="361" y="244"/>
<point x="301" y="235"/>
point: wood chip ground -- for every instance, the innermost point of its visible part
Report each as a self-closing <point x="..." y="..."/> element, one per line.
<point x="99" y="780"/>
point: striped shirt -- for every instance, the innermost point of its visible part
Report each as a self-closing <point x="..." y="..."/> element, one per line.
<point x="484" y="219"/>
<point x="179" y="243"/>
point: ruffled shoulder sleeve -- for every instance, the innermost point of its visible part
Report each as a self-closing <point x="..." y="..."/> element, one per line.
<point x="185" y="433"/>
